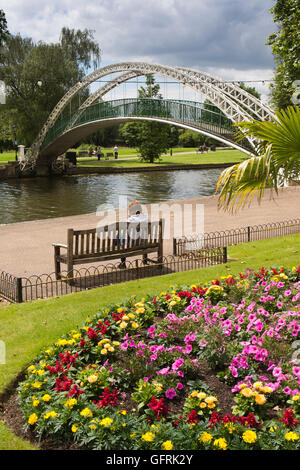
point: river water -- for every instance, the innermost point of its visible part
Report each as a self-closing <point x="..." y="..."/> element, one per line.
<point x="42" y="198"/>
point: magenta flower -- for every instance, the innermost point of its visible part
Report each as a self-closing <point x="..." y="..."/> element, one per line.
<point x="170" y="393"/>
<point x="277" y="371"/>
<point x="296" y="371"/>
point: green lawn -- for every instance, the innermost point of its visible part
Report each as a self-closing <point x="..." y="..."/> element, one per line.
<point x="9" y="156"/>
<point x="221" y="156"/>
<point x="28" y="327"/>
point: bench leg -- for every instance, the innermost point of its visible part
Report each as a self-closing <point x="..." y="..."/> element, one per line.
<point x="57" y="262"/>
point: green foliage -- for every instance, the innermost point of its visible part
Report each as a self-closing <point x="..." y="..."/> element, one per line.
<point x="278" y="161"/>
<point x="285" y="43"/>
<point x="38" y="75"/>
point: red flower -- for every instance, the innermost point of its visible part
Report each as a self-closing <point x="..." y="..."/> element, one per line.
<point x="193" y="417"/>
<point x="288" y="418"/>
<point x="75" y="391"/>
<point x="107" y="398"/>
<point x="158" y="406"/>
<point x="92" y="334"/>
<point x="63" y="384"/>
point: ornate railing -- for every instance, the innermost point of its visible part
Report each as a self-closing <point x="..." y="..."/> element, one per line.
<point x="235" y="236"/>
<point x="46" y="285"/>
<point x="187" y="112"/>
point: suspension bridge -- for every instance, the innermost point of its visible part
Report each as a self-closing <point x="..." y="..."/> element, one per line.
<point x="63" y="129"/>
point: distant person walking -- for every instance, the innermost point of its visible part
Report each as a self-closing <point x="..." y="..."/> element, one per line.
<point x="116" y="151"/>
<point x="99" y="153"/>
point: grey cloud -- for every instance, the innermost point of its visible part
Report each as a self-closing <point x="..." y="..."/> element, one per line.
<point x="196" y="33"/>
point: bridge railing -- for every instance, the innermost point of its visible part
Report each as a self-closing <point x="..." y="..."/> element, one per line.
<point x="177" y="111"/>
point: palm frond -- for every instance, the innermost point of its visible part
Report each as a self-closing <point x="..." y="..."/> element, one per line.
<point x="278" y="161"/>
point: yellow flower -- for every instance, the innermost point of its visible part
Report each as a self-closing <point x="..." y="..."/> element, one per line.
<point x="36" y="384"/>
<point x="296" y="397"/>
<point x="50" y="414"/>
<point x="140" y="310"/>
<point x="31" y="369"/>
<point x="246" y="392"/>
<point x="205" y="438"/>
<point x="105" y="340"/>
<point x="221" y="443"/>
<point x="260" y="399"/>
<point x="257" y="385"/>
<point x="291" y="436"/>
<point x="134" y="325"/>
<point x="230" y="427"/>
<point x="250" y="437"/>
<point x="131" y="315"/>
<point x="46" y="397"/>
<point x="93" y="426"/>
<point x="35" y="403"/>
<point x="106" y="422"/>
<point x="103" y="351"/>
<point x="92" y="379"/>
<point x="167" y="445"/>
<point x="201" y="395"/>
<point x="70" y="403"/>
<point x="74" y="428"/>
<point x="40" y="372"/>
<point x="123" y="324"/>
<point x="32" y="419"/>
<point x="120" y="310"/>
<point x="210" y="400"/>
<point x="87" y="413"/>
<point x="148" y="437"/>
<point x="202" y="405"/>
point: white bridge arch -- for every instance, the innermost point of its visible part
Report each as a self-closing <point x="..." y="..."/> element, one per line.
<point x="237" y="104"/>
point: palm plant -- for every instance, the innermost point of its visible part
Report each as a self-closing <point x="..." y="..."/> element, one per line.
<point x="277" y="161"/>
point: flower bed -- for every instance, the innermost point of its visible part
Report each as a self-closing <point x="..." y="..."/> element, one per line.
<point x="153" y="373"/>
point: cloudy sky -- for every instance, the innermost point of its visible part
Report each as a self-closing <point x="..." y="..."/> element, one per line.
<point x="223" y="37"/>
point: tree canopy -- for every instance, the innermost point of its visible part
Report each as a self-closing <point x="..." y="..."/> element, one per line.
<point x="152" y="138"/>
<point x="37" y="75"/>
<point x="285" y="44"/>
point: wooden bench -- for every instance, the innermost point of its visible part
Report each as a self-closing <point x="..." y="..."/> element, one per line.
<point x="109" y="154"/>
<point x="109" y="242"/>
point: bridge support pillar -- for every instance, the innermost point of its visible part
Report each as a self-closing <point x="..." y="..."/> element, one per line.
<point x="43" y="169"/>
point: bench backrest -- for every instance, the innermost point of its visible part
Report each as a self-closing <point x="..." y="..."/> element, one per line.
<point x="120" y="237"/>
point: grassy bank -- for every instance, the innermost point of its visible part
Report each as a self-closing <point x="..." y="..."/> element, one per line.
<point x="28" y="327"/>
<point x="221" y="156"/>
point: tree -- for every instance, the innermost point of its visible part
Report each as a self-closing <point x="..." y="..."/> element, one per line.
<point x="3" y="28"/>
<point x="285" y="44"/>
<point x="81" y="47"/>
<point x="277" y="162"/>
<point x="38" y="75"/>
<point x="151" y="138"/>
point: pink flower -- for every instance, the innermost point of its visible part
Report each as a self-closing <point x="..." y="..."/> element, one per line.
<point x="277" y="371"/>
<point x="170" y="393"/>
<point x="296" y="371"/>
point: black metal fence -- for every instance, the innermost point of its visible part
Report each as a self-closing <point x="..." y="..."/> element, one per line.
<point x="235" y="236"/>
<point x="20" y="289"/>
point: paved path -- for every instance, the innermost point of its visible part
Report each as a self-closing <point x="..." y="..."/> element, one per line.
<point x="26" y="247"/>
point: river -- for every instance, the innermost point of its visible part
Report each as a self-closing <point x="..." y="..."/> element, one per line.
<point x="42" y="198"/>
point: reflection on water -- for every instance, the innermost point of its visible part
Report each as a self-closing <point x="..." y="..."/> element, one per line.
<point x="42" y="198"/>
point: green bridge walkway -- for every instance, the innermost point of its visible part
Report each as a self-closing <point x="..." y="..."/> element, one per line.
<point x="188" y="114"/>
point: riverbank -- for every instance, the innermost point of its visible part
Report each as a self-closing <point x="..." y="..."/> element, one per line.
<point x="26" y="247"/>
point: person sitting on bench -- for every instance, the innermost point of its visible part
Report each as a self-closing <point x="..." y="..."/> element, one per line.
<point x="136" y="215"/>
